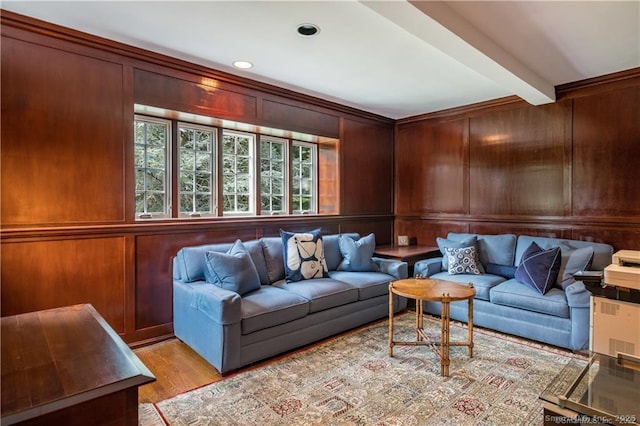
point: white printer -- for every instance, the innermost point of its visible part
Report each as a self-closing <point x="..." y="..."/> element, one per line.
<point x="615" y="318"/>
<point x="625" y="270"/>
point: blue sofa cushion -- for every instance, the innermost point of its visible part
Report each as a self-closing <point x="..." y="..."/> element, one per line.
<point x="233" y="271"/>
<point x="271" y="306"/>
<point x="482" y="283"/>
<point x="499" y="249"/>
<point x="272" y="249"/>
<point x="356" y="255"/>
<point x="514" y="294"/>
<point x="444" y="243"/>
<point x="463" y="260"/>
<point x="369" y="284"/>
<point x="322" y="293"/>
<point x="506" y="271"/>
<point x="539" y="268"/>
<point x="255" y="249"/>
<point x="303" y="255"/>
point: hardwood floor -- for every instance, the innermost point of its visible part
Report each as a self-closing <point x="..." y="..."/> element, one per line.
<point x="177" y="369"/>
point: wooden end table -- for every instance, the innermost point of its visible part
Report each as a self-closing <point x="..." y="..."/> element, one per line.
<point x="67" y="366"/>
<point x="441" y="291"/>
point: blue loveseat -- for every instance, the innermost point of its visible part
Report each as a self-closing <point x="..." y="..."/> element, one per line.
<point x="231" y="331"/>
<point x="559" y="317"/>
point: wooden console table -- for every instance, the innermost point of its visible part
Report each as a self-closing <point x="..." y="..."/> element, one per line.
<point x="409" y="254"/>
<point x="68" y="366"/>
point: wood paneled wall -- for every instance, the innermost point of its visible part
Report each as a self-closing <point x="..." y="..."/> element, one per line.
<point x="68" y="229"/>
<point x="568" y="169"/>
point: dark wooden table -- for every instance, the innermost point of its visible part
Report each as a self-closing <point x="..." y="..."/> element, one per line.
<point x="68" y="366"/>
<point x="409" y="254"/>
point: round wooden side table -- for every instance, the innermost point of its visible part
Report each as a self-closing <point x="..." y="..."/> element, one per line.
<point x="441" y="291"/>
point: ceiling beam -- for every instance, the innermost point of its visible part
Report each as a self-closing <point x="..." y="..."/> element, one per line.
<point x="438" y="25"/>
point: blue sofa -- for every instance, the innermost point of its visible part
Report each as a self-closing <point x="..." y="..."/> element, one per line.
<point x="231" y="331"/>
<point x="558" y="317"/>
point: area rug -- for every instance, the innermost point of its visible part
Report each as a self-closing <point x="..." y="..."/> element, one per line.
<point x="351" y="380"/>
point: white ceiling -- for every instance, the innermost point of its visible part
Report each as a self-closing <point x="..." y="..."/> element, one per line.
<point x="393" y="58"/>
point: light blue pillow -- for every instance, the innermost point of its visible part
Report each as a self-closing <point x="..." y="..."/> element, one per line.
<point x="303" y="255"/>
<point x="573" y="260"/>
<point x="357" y="254"/>
<point x="233" y="270"/>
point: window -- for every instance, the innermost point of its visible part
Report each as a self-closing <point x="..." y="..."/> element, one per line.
<point x="273" y="177"/>
<point x="197" y="187"/>
<point x="237" y="172"/>
<point x="151" y="160"/>
<point x="304" y="172"/>
<point x="211" y="168"/>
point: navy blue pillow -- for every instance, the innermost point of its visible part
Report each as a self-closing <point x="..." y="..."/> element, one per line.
<point x="303" y="255"/>
<point x="539" y="268"/>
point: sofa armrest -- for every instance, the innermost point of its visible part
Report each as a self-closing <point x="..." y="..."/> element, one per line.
<point x="428" y="267"/>
<point x="395" y="268"/>
<point x="222" y="306"/>
<point x="578" y="296"/>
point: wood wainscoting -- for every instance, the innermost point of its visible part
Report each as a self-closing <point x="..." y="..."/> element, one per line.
<point x="565" y="170"/>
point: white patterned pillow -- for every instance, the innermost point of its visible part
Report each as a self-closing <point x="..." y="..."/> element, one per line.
<point x="463" y="261"/>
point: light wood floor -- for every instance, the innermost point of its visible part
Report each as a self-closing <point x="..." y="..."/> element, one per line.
<point x="177" y="369"/>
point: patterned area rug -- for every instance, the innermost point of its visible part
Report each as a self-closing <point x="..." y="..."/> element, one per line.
<point x="351" y="380"/>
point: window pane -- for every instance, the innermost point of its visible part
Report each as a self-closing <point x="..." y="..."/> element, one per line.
<point x="155" y="180"/>
<point x="238" y="166"/>
<point x="151" y="161"/>
<point x="197" y="183"/>
<point x="304" y="170"/>
<point x="203" y="182"/>
<point x="155" y="203"/>
<point x="277" y="204"/>
<point x="186" y="181"/>
<point x="139" y="156"/>
<point x="243" y="165"/>
<point x="186" y="202"/>
<point x="203" y="201"/>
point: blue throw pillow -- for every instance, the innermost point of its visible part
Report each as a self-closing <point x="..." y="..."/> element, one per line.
<point x="233" y="270"/>
<point x="539" y="268"/>
<point x="463" y="260"/>
<point x="573" y="260"/>
<point x="357" y="254"/>
<point x="303" y="255"/>
<point x="443" y="243"/>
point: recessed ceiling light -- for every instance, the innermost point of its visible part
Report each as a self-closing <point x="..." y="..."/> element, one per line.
<point x="308" y="30"/>
<point x="243" y="65"/>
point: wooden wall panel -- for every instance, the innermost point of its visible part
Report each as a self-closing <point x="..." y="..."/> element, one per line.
<point x="48" y="274"/>
<point x="62" y="137"/>
<point x="431" y="167"/>
<point x="367" y="175"/>
<point x="297" y="118"/>
<point x="425" y="232"/>
<point x="620" y="237"/>
<point x="520" y="161"/>
<point x="565" y="170"/>
<point x="207" y="97"/>
<point x="606" y="151"/>
<point x="329" y="178"/>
